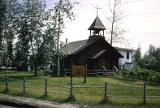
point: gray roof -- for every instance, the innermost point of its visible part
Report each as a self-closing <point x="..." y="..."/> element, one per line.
<point x="124" y="49"/>
<point x="72" y="47"/>
<point x="77" y="46"/>
<point x="97" y="25"/>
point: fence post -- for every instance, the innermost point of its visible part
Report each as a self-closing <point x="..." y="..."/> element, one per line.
<point x="6" y="84"/>
<point x="105" y="92"/>
<point x="96" y="72"/>
<point x="71" y="97"/>
<point x="65" y="72"/>
<point x="46" y="87"/>
<point x="85" y="75"/>
<point x="71" y="86"/>
<point x="24" y="86"/>
<point x="144" y="93"/>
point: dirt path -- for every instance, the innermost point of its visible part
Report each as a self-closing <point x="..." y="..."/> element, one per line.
<point x="3" y="106"/>
<point x="34" y="102"/>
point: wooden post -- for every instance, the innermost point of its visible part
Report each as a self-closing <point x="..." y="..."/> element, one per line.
<point x="144" y="95"/>
<point x="65" y="71"/>
<point x="45" y="87"/>
<point x="85" y="75"/>
<point x="71" y="85"/>
<point x="6" y="84"/>
<point x="96" y="72"/>
<point x="71" y="96"/>
<point x="24" y="86"/>
<point x="105" y="91"/>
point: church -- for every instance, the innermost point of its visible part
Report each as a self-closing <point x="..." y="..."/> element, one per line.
<point x="96" y="52"/>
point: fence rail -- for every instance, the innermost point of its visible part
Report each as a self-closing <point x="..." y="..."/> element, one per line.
<point x="46" y="90"/>
<point x="93" y="72"/>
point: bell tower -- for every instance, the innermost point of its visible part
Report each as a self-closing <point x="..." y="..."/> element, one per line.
<point x="97" y="27"/>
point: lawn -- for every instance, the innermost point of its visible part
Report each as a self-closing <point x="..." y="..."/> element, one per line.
<point x="58" y="90"/>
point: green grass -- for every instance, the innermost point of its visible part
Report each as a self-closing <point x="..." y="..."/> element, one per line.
<point x="92" y="97"/>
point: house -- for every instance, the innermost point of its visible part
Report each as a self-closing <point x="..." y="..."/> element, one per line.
<point x="127" y="61"/>
<point x="96" y="52"/>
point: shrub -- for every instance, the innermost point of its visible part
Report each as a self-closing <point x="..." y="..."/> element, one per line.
<point x="137" y="73"/>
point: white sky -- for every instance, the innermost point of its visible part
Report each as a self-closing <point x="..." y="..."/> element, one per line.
<point x="142" y="21"/>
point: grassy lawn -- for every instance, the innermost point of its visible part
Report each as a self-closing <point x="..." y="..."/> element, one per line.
<point x="58" y="90"/>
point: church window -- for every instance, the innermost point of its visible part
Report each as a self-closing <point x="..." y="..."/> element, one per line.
<point x="127" y="55"/>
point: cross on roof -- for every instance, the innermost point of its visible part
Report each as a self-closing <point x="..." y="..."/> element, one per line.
<point x="97" y="9"/>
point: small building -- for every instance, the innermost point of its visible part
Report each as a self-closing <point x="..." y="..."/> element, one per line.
<point x="127" y="61"/>
<point x="96" y="52"/>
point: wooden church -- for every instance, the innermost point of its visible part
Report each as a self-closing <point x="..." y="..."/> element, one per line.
<point x="96" y="52"/>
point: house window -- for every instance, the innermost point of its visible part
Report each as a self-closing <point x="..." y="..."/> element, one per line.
<point x="127" y="55"/>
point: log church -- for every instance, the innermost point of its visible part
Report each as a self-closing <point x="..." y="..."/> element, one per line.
<point x="96" y="52"/>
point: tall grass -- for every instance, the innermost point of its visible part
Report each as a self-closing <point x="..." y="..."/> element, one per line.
<point x="58" y="90"/>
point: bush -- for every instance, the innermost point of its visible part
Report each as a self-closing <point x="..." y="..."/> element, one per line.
<point x="137" y="74"/>
<point x="156" y="78"/>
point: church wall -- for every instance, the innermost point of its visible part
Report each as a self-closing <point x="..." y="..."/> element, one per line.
<point x="89" y="52"/>
<point x="108" y="60"/>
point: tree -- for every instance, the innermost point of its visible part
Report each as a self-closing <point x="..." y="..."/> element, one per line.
<point x="157" y="56"/>
<point x="11" y="12"/>
<point x="8" y="31"/>
<point x="148" y="61"/>
<point x="31" y="31"/>
<point x="116" y="15"/>
<point x="152" y="50"/>
<point x="2" y="11"/>
<point x="34" y="14"/>
<point x="49" y="41"/>
<point x="151" y="60"/>
<point x="2" y="14"/>
<point x="62" y="10"/>
<point x="22" y="45"/>
<point x="138" y="56"/>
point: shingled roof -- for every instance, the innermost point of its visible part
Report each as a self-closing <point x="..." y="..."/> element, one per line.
<point x="77" y="46"/>
<point x="124" y="49"/>
<point x="97" y="24"/>
<point x="72" y="47"/>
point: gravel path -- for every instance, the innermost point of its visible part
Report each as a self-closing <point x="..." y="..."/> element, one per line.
<point x="3" y="106"/>
<point x="34" y="102"/>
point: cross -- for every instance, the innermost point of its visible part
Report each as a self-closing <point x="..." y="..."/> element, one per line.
<point x="97" y="9"/>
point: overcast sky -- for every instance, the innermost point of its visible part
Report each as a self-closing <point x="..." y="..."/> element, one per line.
<point x="142" y="21"/>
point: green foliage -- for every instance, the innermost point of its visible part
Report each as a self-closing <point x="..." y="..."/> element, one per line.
<point x="63" y="10"/>
<point x="29" y="46"/>
<point x="8" y="27"/>
<point x="140" y="74"/>
<point x="2" y="11"/>
<point x="22" y="46"/>
<point x="138" y="56"/>
<point x="150" y="60"/>
<point x="36" y="30"/>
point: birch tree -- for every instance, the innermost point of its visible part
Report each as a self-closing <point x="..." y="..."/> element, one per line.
<point x="62" y="10"/>
<point x="116" y="15"/>
<point x="30" y="32"/>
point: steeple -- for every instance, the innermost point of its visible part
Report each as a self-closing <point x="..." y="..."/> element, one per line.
<point x="97" y="26"/>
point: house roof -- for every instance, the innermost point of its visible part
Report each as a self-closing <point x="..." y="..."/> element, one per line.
<point x="77" y="46"/>
<point x="73" y="48"/>
<point x="97" y="25"/>
<point x="124" y="49"/>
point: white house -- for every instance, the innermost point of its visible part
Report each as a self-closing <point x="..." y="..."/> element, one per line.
<point x="127" y="61"/>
